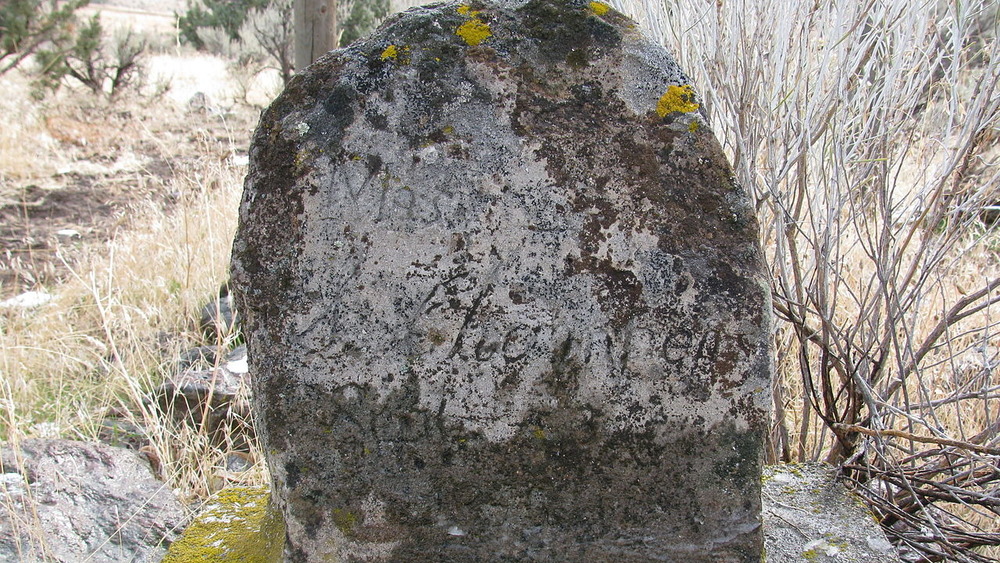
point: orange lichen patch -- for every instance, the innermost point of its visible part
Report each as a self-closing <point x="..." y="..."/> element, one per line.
<point x="677" y="99"/>
<point x="599" y="8"/>
<point x="474" y="31"/>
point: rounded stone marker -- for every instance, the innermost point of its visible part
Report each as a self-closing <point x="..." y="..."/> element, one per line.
<point x="503" y="298"/>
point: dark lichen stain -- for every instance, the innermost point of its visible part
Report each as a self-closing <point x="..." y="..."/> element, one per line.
<point x="424" y="467"/>
<point x="562" y="377"/>
<point x="577" y="58"/>
<point x="589" y="92"/>
<point x="377" y="120"/>
<point x="619" y="291"/>
<point x="291" y="474"/>
<point x="345" y="520"/>
<point x="436" y="338"/>
<point x="439" y="135"/>
<point x="339" y="105"/>
<point x="567" y="31"/>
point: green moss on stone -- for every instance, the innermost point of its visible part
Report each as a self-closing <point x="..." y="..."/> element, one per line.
<point x="238" y="524"/>
<point x="345" y="520"/>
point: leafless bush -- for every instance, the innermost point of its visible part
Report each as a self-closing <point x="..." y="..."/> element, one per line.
<point x="867" y="132"/>
<point x="270" y="33"/>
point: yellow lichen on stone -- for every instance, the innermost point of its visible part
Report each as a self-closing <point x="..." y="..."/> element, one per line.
<point x="396" y="53"/>
<point x="677" y="99"/>
<point x="390" y="52"/>
<point x="474" y="31"/>
<point x="238" y="524"/>
<point x="599" y="8"/>
<point x="693" y="126"/>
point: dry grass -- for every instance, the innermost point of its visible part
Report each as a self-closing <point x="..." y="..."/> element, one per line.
<point x="24" y="138"/>
<point x="112" y="330"/>
<point x="152" y="187"/>
<point x="867" y="133"/>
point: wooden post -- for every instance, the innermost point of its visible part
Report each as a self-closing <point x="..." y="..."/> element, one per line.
<point x="316" y="30"/>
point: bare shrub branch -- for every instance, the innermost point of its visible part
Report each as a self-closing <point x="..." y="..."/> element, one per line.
<point x="868" y="133"/>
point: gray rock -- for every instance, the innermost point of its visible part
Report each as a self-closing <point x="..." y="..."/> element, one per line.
<point x="235" y="360"/>
<point x="122" y="433"/>
<point x="73" y="501"/>
<point x="219" y="320"/>
<point x="216" y="396"/>
<point x="203" y="357"/>
<point x="503" y="299"/>
<point x="199" y="357"/>
<point x="809" y="516"/>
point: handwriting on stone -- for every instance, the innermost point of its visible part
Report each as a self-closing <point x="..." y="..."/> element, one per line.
<point x="493" y="288"/>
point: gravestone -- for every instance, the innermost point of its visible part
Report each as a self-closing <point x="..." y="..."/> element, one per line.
<point x="503" y="298"/>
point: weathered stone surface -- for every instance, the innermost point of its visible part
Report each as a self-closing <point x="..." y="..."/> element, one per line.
<point x="73" y="501"/>
<point x="809" y="516"/>
<point x="503" y="299"/>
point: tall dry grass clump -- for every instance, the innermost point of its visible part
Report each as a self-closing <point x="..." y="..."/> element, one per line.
<point x="86" y="364"/>
<point x="126" y="281"/>
<point x="867" y="132"/>
<point x="21" y="138"/>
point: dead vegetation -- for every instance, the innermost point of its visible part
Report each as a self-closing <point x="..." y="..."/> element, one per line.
<point x="867" y="133"/>
<point x="120" y="213"/>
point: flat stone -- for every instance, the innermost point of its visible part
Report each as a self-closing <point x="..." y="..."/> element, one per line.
<point x="809" y="516"/>
<point x="503" y="298"/>
<point x="72" y="501"/>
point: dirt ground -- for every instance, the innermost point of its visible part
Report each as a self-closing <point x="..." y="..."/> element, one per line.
<point x="84" y="167"/>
